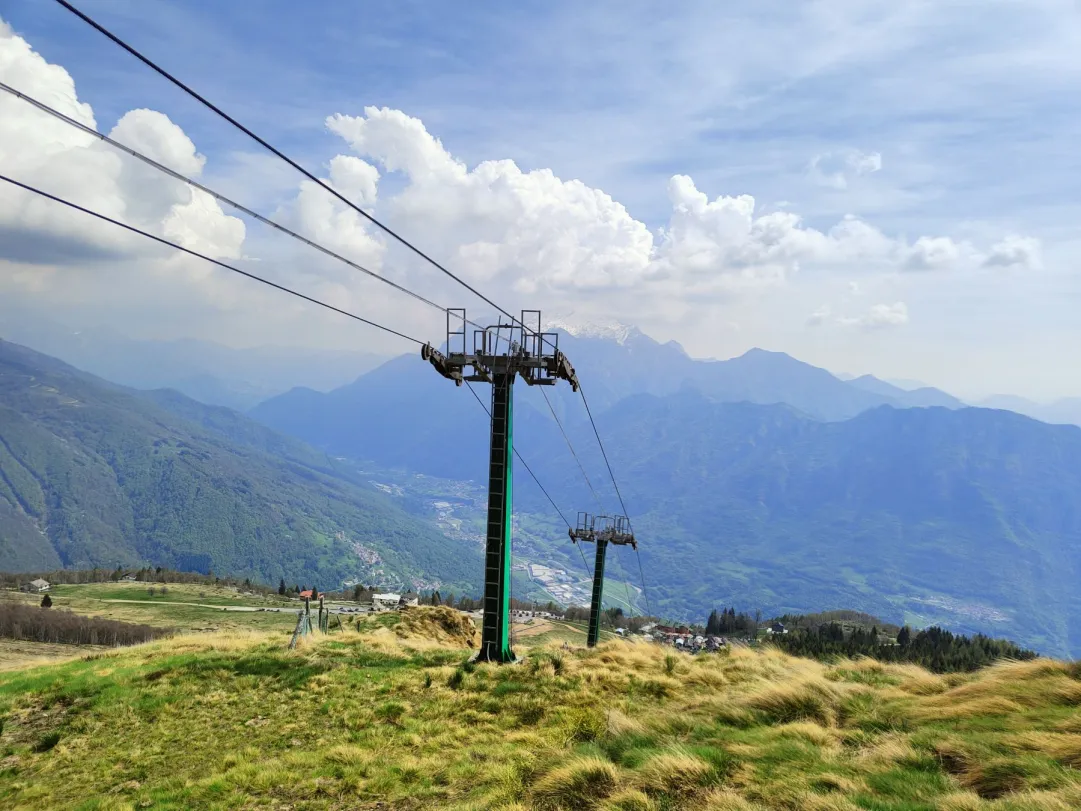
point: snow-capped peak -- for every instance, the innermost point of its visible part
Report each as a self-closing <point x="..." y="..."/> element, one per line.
<point x="608" y="330"/>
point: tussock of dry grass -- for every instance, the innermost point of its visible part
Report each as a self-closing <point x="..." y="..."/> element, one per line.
<point x="961" y="801"/>
<point x="675" y="773"/>
<point x="887" y="751"/>
<point x="808" y="731"/>
<point x="960" y="708"/>
<point x="619" y="723"/>
<point x="1063" y="747"/>
<point x="813" y="698"/>
<point x="580" y="783"/>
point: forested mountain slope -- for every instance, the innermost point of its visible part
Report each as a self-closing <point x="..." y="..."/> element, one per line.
<point x="970" y="517"/>
<point x="94" y="474"/>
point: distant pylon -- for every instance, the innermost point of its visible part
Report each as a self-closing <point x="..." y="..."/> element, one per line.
<point x="601" y="530"/>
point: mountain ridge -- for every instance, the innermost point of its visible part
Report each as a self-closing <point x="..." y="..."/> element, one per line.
<point x="92" y="473"/>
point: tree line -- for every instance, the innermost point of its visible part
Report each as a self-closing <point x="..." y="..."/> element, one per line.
<point x="146" y="574"/>
<point x="32" y="624"/>
<point x="934" y="648"/>
<point x="727" y="622"/>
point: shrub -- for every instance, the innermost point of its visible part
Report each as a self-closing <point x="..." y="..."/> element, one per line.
<point x="19" y="621"/>
<point x="391" y="712"/>
<point x="557" y="663"/>
<point x="47" y="742"/>
<point x="669" y="664"/>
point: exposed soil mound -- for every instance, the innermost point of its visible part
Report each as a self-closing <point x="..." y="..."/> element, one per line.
<point x="440" y="624"/>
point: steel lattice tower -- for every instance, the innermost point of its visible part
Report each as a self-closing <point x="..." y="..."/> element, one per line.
<point x="535" y="357"/>
<point x="601" y="530"/>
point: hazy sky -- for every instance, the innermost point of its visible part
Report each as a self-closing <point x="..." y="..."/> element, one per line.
<point x="886" y="187"/>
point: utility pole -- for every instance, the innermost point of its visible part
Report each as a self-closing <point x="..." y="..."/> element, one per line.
<point x="601" y="530"/>
<point x="535" y="357"/>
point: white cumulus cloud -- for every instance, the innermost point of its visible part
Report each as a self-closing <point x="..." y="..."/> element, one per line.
<point x="878" y="317"/>
<point x="532" y="232"/>
<point x="1015" y="251"/>
<point x="54" y="156"/>
<point x="516" y="233"/>
<point x="836" y="169"/>
<point x="528" y="231"/>
<point x="321" y="217"/>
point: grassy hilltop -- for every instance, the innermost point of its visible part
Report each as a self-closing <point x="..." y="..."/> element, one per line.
<point x="385" y="715"/>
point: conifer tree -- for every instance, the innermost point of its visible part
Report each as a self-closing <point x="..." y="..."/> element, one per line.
<point x="713" y="624"/>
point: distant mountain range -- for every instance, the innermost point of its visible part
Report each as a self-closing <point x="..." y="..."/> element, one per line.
<point x="398" y="397"/>
<point x="760" y="481"/>
<point x="92" y="474"/>
<point x="1066" y="411"/>
<point x="208" y="372"/>
<point x="765" y="482"/>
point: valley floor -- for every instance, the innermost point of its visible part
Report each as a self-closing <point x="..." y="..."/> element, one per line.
<point x="386" y="715"/>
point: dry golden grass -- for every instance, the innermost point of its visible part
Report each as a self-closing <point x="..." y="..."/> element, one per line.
<point x="1063" y="747"/>
<point x="810" y="698"/>
<point x="676" y="773"/>
<point x="945" y="706"/>
<point x="810" y="732"/>
<point x="389" y="714"/>
<point x="441" y="624"/>
<point x="629" y="800"/>
<point x="961" y="801"/>
<point x="619" y="723"/>
<point x="888" y="750"/>
<point x="580" y="783"/>
<point x="725" y="800"/>
<point x="17" y="654"/>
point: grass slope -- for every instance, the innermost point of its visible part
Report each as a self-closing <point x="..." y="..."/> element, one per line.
<point x="384" y="715"/>
<point x="93" y="474"/>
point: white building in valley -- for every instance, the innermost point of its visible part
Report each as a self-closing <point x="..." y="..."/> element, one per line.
<point x="385" y="602"/>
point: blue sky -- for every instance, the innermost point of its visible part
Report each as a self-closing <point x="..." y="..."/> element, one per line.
<point x="946" y="120"/>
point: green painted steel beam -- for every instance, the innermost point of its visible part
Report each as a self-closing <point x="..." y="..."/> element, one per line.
<point x="495" y="627"/>
<point x="598" y="594"/>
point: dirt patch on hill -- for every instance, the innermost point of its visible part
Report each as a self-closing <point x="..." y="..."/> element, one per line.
<point x="439" y="624"/>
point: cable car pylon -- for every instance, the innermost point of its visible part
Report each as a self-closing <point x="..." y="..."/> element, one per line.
<point x="601" y="530"/>
<point x="535" y="357"/>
